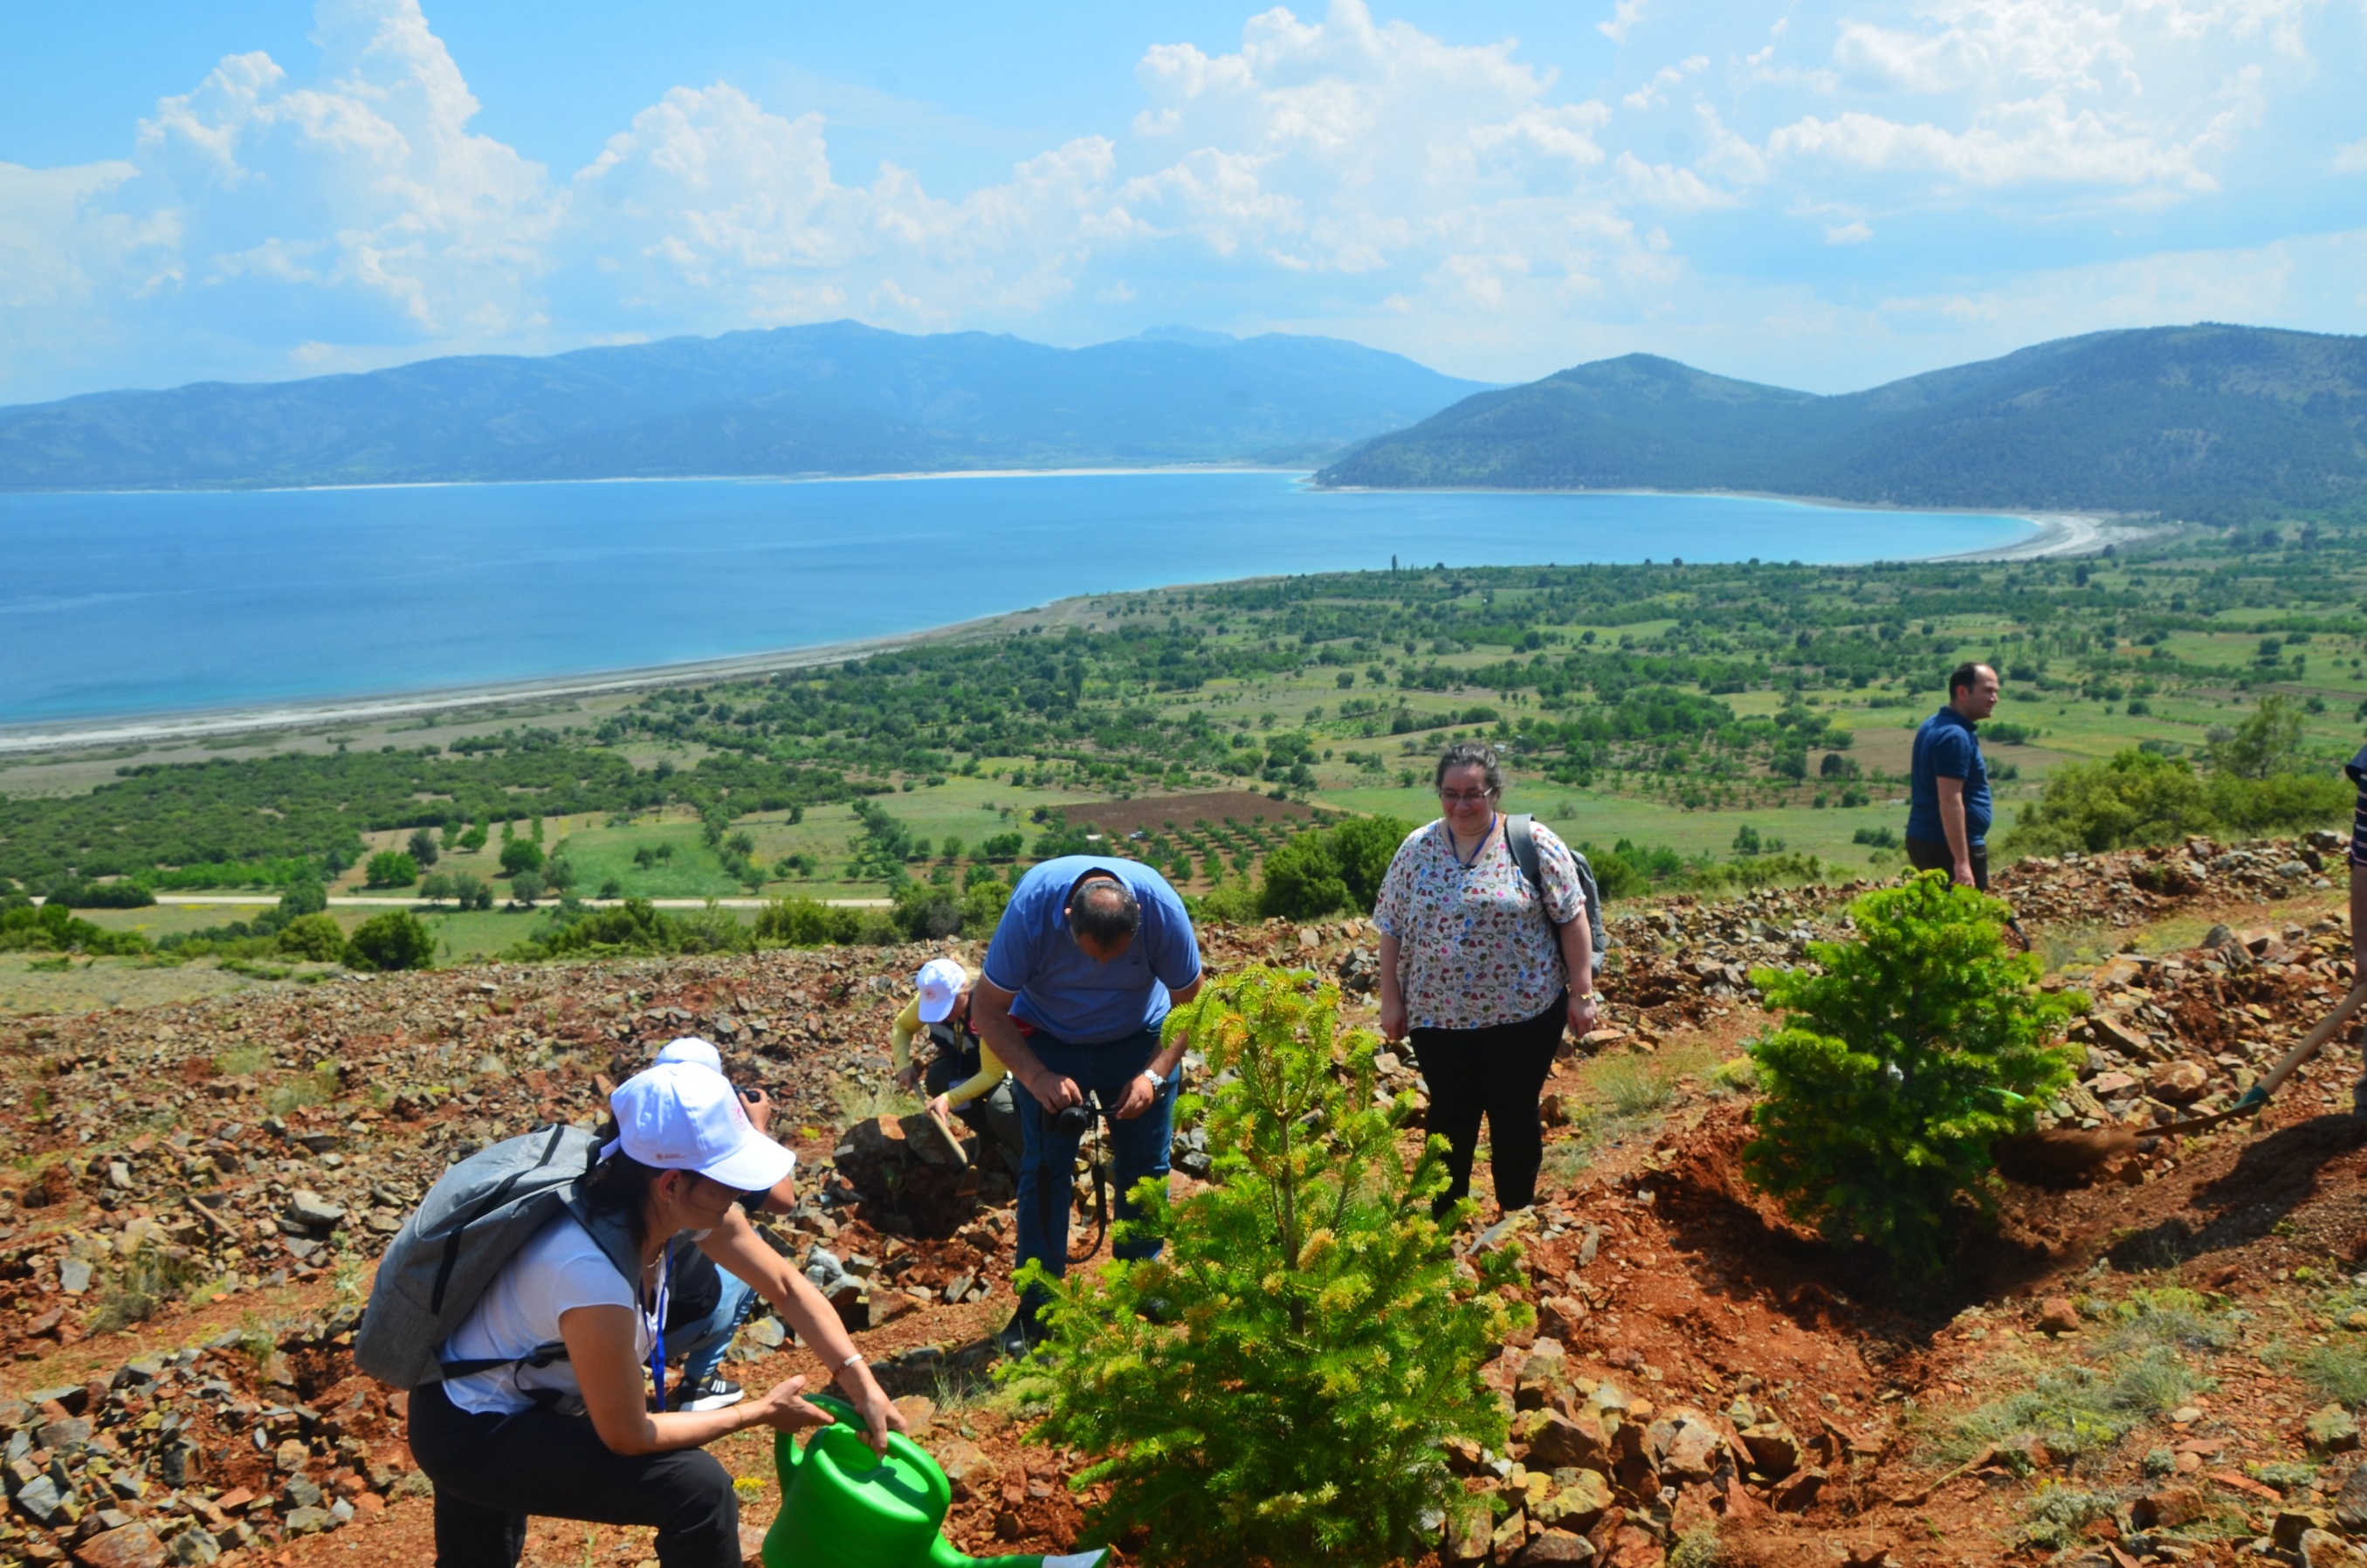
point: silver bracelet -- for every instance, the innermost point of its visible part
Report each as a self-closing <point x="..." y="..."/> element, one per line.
<point x="854" y="1360"/>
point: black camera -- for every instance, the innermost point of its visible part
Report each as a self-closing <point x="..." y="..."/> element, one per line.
<point x="1072" y="1120"/>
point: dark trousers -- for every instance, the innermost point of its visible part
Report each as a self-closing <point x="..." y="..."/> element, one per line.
<point x="1934" y="854"/>
<point x="1497" y="1072"/>
<point x="1136" y="1148"/>
<point x="491" y="1472"/>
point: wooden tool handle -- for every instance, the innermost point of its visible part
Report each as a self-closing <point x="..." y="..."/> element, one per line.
<point x="2315" y="1039"/>
<point x="2257" y="1096"/>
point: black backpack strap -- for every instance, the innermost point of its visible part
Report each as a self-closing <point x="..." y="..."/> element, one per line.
<point x="1521" y="839"/>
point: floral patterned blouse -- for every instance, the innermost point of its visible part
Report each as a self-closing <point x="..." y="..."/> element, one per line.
<point x="1474" y="948"/>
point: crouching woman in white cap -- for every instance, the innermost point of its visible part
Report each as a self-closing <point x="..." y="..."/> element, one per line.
<point x="559" y="1420"/>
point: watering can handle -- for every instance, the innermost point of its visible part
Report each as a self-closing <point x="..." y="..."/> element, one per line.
<point x="840" y="1411"/>
<point x="789" y="1453"/>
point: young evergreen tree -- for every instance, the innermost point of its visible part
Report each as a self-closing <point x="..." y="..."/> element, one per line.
<point x="1917" y="1047"/>
<point x="1279" y="1386"/>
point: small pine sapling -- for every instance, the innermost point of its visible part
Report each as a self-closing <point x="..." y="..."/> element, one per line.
<point x="1897" y="1067"/>
<point x="1278" y="1387"/>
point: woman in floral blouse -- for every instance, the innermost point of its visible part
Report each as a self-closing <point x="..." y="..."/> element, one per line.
<point x="1483" y="972"/>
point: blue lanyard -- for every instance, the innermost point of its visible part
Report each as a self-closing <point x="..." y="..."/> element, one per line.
<point x="1456" y="855"/>
<point x="657" y="1322"/>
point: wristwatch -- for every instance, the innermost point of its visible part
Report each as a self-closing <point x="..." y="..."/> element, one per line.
<point x="1594" y="997"/>
<point x="1157" y="1079"/>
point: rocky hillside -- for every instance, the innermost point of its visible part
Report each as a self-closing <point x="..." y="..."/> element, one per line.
<point x="198" y="1190"/>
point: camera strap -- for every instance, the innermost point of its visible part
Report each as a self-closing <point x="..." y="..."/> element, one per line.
<point x="1068" y="1184"/>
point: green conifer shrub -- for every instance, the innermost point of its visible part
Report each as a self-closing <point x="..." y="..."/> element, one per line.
<point x="1277" y="1387"/>
<point x="1919" y="1046"/>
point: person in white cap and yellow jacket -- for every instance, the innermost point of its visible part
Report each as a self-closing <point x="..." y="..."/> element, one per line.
<point x="965" y="1078"/>
<point x="559" y="1420"/>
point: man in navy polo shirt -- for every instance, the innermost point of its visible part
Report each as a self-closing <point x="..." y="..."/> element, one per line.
<point x="1948" y="802"/>
<point x="1090" y="954"/>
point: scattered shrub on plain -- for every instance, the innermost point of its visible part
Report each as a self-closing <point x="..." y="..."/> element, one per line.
<point x="396" y="939"/>
<point x="1325" y="869"/>
<point x="391" y="868"/>
<point x="317" y="938"/>
<point x="636" y="925"/>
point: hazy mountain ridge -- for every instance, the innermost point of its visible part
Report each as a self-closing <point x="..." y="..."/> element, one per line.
<point x="838" y="397"/>
<point x="2207" y="422"/>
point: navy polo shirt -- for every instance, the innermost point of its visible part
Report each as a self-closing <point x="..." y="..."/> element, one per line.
<point x="1947" y="748"/>
<point x="1061" y="989"/>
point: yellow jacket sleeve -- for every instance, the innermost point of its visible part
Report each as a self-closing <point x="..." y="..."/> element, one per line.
<point x="900" y="1032"/>
<point x="990" y="1073"/>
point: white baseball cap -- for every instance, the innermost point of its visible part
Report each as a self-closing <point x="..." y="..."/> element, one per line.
<point x="679" y="1116"/>
<point x="692" y="1049"/>
<point x="941" y="980"/>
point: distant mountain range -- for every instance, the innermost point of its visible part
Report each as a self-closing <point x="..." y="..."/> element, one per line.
<point x="2205" y="422"/>
<point x="834" y="399"/>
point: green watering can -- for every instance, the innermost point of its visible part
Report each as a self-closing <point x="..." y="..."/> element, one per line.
<point x="843" y="1506"/>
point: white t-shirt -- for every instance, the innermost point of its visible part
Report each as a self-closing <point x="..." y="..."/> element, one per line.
<point x="560" y="1269"/>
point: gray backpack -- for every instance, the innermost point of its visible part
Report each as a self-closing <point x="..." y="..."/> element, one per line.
<point x="1520" y="837"/>
<point x="456" y="1243"/>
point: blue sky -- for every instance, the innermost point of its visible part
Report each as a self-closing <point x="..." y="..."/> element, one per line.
<point x="1818" y="194"/>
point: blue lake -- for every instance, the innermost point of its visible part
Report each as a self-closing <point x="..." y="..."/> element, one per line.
<point x="131" y="604"/>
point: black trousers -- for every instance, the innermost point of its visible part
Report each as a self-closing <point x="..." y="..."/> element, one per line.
<point x="491" y="1472"/>
<point x="1497" y="1072"/>
<point x="1934" y="854"/>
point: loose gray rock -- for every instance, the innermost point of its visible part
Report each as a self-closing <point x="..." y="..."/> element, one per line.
<point x="193" y="1548"/>
<point x="41" y="1500"/>
<point x="314" y="1211"/>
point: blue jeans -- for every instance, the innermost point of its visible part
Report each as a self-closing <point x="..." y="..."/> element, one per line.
<point x="1138" y="1148"/>
<point x="703" y="1343"/>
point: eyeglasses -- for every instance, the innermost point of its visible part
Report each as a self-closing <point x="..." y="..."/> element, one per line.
<point x="1466" y="796"/>
<point x="734" y="1195"/>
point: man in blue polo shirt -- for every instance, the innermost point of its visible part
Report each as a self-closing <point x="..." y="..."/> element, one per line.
<point x="1948" y="804"/>
<point x="1090" y="954"/>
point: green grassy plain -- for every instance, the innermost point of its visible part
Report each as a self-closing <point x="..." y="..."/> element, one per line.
<point x="1078" y="702"/>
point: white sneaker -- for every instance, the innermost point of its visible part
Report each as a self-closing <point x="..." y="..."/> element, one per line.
<point x="716" y="1392"/>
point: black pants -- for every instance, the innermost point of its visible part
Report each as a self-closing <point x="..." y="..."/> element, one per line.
<point x="1934" y="854"/>
<point x="492" y="1472"/>
<point x="1497" y="1072"/>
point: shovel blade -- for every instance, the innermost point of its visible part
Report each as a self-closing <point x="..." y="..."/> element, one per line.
<point x="2060" y="1156"/>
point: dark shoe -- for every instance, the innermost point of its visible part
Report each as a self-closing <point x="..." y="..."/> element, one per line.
<point x="716" y="1393"/>
<point x="1020" y="1335"/>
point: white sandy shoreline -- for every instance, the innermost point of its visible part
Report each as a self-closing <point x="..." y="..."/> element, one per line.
<point x="2059" y="533"/>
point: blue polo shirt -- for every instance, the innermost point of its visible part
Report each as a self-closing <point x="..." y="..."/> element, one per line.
<point x="1061" y="989"/>
<point x="1947" y="748"/>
